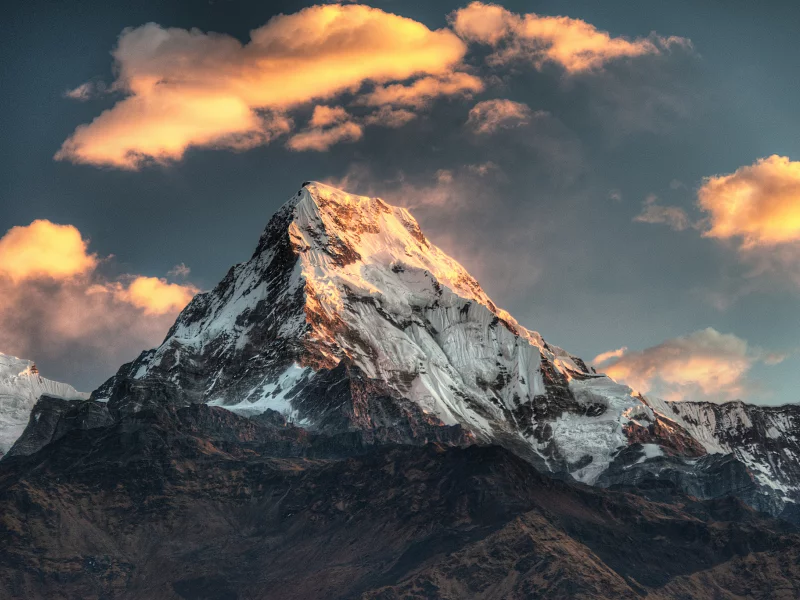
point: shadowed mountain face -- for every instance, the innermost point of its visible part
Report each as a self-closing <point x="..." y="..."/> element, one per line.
<point x="198" y="502"/>
<point x="347" y="415"/>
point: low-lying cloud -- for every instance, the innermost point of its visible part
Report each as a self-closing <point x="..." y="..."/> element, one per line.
<point x="56" y="307"/>
<point x="703" y="365"/>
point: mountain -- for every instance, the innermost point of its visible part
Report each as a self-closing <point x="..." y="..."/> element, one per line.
<point x="347" y="317"/>
<point x="20" y="388"/>
<point x="348" y="415"/>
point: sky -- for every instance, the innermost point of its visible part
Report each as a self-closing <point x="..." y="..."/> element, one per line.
<point x="623" y="177"/>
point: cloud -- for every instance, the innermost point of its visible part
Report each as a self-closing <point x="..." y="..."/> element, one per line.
<point x="758" y="204"/>
<point x="179" y="270"/>
<point x="387" y="116"/>
<point x="490" y="115"/>
<point x="673" y="216"/>
<point x="44" y="249"/>
<point x="85" y="91"/>
<point x="57" y="307"/>
<point x="486" y="168"/>
<point x="573" y="44"/>
<point x="328" y="115"/>
<point x="604" y="357"/>
<point x="422" y="91"/>
<point x="154" y="295"/>
<point x="704" y="365"/>
<point x="328" y="126"/>
<point x="186" y="88"/>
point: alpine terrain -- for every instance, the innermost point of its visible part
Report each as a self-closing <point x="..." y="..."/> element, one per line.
<point x="348" y="414"/>
<point x="20" y="388"/>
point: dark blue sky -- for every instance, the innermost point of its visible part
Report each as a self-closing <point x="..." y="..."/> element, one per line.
<point x="549" y="229"/>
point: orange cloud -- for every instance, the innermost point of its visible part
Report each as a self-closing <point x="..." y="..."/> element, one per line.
<point x="758" y="204"/>
<point x="490" y="115"/>
<point x="573" y="44"/>
<point x="423" y="90"/>
<point x="56" y="305"/>
<point x="193" y="89"/>
<point x="328" y="115"/>
<point x="154" y="295"/>
<point x="704" y="365"/>
<point x="44" y="249"/>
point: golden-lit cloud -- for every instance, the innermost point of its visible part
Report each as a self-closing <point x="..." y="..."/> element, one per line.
<point x="490" y="115"/>
<point x="575" y="45"/>
<point x="704" y="365"/>
<point x="422" y="91"/>
<point x="673" y="216"/>
<point x="55" y="303"/>
<point x="327" y="115"/>
<point x="186" y="88"/>
<point x="154" y="295"/>
<point x="758" y="204"/>
<point x="44" y="249"/>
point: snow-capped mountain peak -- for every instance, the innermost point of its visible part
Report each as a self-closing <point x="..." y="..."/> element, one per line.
<point x="21" y="385"/>
<point x="347" y="317"/>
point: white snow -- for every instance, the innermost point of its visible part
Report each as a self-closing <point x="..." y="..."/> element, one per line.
<point x="650" y="451"/>
<point x="20" y="388"/>
<point x="273" y="396"/>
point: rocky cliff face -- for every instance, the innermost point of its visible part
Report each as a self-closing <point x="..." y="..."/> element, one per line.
<point x="347" y="318"/>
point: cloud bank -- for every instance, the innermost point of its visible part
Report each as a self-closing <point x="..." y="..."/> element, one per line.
<point x="56" y="305"/>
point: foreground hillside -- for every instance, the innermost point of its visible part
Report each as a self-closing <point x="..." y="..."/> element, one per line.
<point x="198" y="503"/>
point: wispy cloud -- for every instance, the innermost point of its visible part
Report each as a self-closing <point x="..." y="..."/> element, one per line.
<point x="673" y="216"/>
<point x="491" y="115"/>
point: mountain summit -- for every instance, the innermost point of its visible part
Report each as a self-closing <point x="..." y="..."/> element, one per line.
<point x="347" y="318"/>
